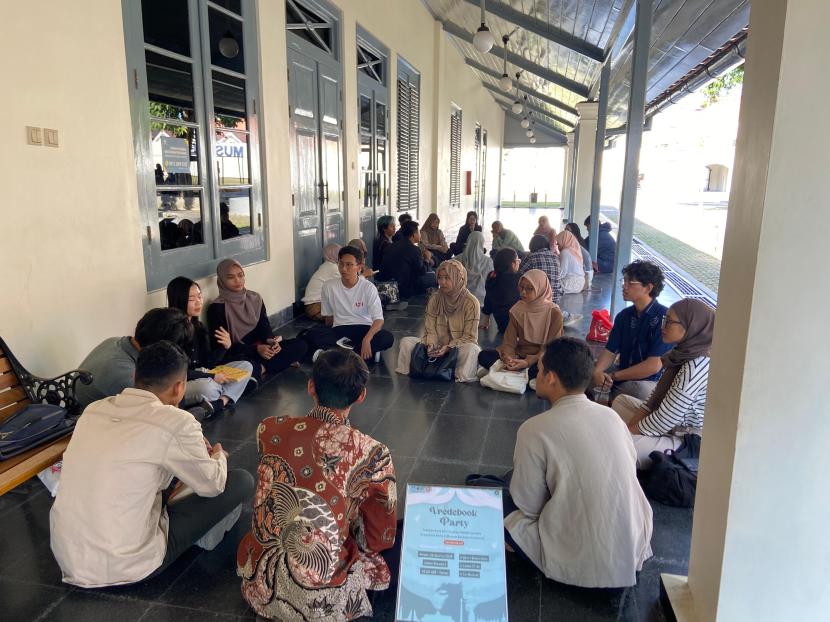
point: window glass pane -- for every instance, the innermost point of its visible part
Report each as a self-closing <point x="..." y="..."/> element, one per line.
<point x="380" y="118"/>
<point x="380" y="165"/>
<point x="235" y="212"/>
<point x="234" y="6"/>
<point x="175" y="152"/>
<point x="180" y="218"/>
<point x="229" y="101"/>
<point x="232" y="158"/>
<point x="226" y="49"/>
<point x="169" y="87"/>
<point x="365" y="114"/>
<point x="166" y="25"/>
<point x="364" y="160"/>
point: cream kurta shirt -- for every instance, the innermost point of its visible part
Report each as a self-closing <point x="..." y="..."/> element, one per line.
<point x="583" y="518"/>
<point x="108" y="526"/>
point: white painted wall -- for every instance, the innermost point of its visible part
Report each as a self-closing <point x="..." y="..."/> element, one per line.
<point x="759" y="544"/>
<point x="71" y="236"/>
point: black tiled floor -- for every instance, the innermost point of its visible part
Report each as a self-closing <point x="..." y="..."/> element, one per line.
<point x="437" y="432"/>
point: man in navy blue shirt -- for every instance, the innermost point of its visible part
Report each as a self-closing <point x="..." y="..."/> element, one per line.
<point x="636" y="335"/>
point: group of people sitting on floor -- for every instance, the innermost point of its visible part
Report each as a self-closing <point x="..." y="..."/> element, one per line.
<point x="141" y="484"/>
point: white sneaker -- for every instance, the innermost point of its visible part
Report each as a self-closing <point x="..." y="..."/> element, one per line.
<point x="573" y="318"/>
<point x="481" y="372"/>
<point x="532" y="384"/>
<point x="316" y="354"/>
<point x="377" y="357"/>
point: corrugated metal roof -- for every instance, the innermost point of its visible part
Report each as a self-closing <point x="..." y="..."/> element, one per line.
<point x="684" y="33"/>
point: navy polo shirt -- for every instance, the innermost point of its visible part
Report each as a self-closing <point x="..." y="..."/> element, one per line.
<point x="636" y="337"/>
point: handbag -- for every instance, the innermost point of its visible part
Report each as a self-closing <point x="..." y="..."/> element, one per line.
<point x="672" y="479"/>
<point x="601" y="325"/>
<point x="34" y="425"/>
<point x="500" y="379"/>
<point x="388" y="292"/>
<point x="427" y="367"/>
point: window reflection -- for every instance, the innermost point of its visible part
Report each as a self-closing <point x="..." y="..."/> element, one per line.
<point x="179" y="218"/>
<point x="229" y="101"/>
<point x="166" y="25"/>
<point x="235" y="212"/>
<point x="232" y="158"/>
<point x="170" y="88"/>
<point x="226" y="49"/>
<point x="175" y="154"/>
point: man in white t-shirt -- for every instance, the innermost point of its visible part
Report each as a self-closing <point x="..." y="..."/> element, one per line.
<point x="351" y="309"/>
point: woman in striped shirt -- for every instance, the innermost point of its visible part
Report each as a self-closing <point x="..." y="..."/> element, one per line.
<point x="676" y="405"/>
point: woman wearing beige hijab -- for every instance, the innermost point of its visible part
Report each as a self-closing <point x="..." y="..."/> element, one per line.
<point x="432" y="239"/>
<point x="534" y="322"/>
<point x="450" y="321"/>
<point x="241" y="313"/>
<point x="676" y="405"/>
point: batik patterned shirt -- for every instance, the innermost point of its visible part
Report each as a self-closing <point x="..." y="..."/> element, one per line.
<point x="324" y="509"/>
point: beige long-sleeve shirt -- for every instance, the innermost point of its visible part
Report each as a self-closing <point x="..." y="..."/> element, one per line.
<point x="583" y="518"/>
<point x="108" y="526"/>
<point x="516" y="343"/>
<point x="452" y="330"/>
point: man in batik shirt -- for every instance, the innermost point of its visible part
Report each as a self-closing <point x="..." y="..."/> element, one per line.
<point x="324" y="507"/>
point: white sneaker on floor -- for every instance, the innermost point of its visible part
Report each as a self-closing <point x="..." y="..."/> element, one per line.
<point x="572" y="318"/>
<point x="377" y="357"/>
<point x="317" y="353"/>
<point x="532" y="384"/>
<point x="481" y="372"/>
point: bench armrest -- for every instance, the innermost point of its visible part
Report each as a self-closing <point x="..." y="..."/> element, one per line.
<point x="59" y="390"/>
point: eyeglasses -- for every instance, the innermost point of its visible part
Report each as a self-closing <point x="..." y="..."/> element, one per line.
<point x="626" y="283"/>
<point x="665" y="321"/>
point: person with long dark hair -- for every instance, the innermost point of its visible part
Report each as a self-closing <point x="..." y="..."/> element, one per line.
<point x="219" y="389"/>
<point x="501" y="289"/>
<point x="470" y="225"/>
<point x="241" y="312"/>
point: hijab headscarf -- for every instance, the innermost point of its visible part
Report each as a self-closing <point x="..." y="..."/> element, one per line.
<point x="473" y="257"/>
<point x="448" y="302"/>
<point x="549" y="232"/>
<point x="242" y="309"/>
<point x="433" y="237"/>
<point x="534" y="316"/>
<point x="329" y="253"/>
<point x="568" y="243"/>
<point x="698" y="319"/>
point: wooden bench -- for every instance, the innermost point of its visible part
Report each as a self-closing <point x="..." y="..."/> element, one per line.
<point x="18" y="388"/>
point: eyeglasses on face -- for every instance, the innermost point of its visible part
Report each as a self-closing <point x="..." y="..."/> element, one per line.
<point x="626" y="283"/>
<point x="666" y="321"/>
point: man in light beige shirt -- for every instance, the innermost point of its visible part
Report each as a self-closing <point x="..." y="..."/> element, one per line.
<point x="582" y="517"/>
<point x="109" y="524"/>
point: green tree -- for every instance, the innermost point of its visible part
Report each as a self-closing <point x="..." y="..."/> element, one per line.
<point x="721" y="85"/>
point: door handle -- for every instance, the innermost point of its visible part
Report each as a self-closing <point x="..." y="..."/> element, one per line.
<point x="326" y="184"/>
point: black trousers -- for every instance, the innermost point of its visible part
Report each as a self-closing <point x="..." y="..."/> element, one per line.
<point x="292" y="350"/>
<point x="486" y="358"/>
<point x="324" y="337"/>
<point x="194" y="516"/>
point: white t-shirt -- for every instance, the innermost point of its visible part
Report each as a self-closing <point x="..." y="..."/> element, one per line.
<point x="326" y="272"/>
<point x="359" y="305"/>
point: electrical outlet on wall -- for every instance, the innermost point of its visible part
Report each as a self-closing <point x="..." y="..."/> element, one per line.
<point x="50" y="137"/>
<point x="33" y="136"/>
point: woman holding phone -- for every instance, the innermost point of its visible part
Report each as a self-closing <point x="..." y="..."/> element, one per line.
<point x="450" y="321"/>
<point x="242" y="314"/>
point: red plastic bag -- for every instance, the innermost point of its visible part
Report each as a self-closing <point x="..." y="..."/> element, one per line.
<point x="600" y="326"/>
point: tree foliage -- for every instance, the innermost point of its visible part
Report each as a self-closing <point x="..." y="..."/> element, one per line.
<point x="721" y="85"/>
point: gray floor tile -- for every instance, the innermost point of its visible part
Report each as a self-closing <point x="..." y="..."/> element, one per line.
<point x="435" y="472"/>
<point x="500" y="441"/>
<point x="456" y="438"/>
<point x="92" y="607"/>
<point x="404" y="431"/>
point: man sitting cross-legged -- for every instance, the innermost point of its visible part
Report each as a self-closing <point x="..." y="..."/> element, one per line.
<point x="324" y="509"/>
<point x="351" y="309"/>
<point x="581" y="516"/>
<point x="110" y="524"/>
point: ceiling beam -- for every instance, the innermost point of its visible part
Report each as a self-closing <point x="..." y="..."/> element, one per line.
<point x="548" y="129"/>
<point x="529" y="106"/>
<point x="520" y="61"/>
<point x="523" y="87"/>
<point x="544" y="29"/>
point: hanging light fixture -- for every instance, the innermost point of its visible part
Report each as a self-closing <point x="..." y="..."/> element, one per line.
<point x="505" y="82"/>
<point x="517" y="105"/>
<point x="483" y="40"/>
<point x="532" y="140"/>
<point x="228" y="45"/>
<point x="529" y="133"/>
<point x="525" y="123"/>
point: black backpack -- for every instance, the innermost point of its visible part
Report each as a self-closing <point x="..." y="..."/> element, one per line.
<point x="672" y="479"/>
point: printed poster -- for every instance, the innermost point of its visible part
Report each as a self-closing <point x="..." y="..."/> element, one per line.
<point x="175" y="155"/>
<point x="452" y="556"/>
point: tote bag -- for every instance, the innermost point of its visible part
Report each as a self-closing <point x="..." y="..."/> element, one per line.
<point x="422" y="365"/>
<point x="500" y="379"/>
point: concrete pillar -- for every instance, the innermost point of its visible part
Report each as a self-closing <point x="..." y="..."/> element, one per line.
<point x="759" y="543"/>
<point x="567" y="177"/>
<point x="586" y="151"/>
